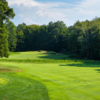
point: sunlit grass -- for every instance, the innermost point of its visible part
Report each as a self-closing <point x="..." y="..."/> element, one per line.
<point x="16" y="86"/>
<point x="3" y="81"/>
<point x="49" y="76"/>
<point x="71" y="81"/>
<point x="36" y="55"/>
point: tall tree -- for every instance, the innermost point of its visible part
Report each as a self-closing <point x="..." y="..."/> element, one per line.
<point x="20" y="41"/>
<point x="11" y="30"/>
<point x="21" y="27"/>
<point x="5" y="14"/>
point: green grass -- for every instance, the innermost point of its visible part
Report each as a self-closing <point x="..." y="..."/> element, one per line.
<point x="69" y="80"/>
<point x="13" y="53"/>
<point x="36" y="55"/>
<point x="17" y="86"/>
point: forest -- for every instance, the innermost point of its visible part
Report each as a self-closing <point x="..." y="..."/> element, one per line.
<point x="82" y="40"/>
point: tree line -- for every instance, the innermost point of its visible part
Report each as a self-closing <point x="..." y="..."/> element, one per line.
<point x="82" y="40"/>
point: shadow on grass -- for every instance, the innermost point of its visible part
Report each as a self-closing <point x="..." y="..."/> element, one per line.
<point x="8" y="69"/>
<point x="84" y="64"/>
<point x="98" y="70"/>
<point x="5" y="70"/>
<point x="55" y="56"/>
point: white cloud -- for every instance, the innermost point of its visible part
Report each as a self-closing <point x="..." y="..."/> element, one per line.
<point x="56" y="15"/>
<point x="32" y="3"/>
<point x="20" y="15"/>
<point x="87" y="4"/>
<point x="53" y="11"/>
<point x="29" y="21"/>
<point x="27" y="3"/>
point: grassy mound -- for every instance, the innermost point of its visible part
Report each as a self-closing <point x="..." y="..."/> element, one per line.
<point x="17" y="86"/>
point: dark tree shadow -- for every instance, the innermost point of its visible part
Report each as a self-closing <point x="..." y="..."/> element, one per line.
<point x="55" y="56"/>
<point x="98" y="70"/>
<point x="84" y="64"/>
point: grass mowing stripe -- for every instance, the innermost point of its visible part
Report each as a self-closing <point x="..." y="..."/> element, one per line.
<point x="65" y="82"/>
<point x="16" y="86"/>
<point x="65" y="78"/>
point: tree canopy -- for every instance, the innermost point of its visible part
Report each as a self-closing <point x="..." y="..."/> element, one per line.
<point x="5" y="14"/>
<point x="82" y="40"/>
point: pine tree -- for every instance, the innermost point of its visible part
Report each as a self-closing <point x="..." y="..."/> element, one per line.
<point x="5" y="14"/>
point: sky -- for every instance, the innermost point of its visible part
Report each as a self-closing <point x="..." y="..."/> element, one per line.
<point x="42" y="12"/>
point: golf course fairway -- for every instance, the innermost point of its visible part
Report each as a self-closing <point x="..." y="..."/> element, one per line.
<point x="59" y="80"/>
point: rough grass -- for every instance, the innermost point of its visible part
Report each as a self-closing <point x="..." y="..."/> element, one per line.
<point x="69" y="80"/>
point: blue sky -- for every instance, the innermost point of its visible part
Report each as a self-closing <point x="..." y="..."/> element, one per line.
<point x="43" y="11"/>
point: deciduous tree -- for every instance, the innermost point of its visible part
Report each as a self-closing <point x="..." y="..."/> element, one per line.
<point x="5" y="14"/>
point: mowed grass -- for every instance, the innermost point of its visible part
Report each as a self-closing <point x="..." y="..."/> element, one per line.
<point x="70" y="80"/>
<point x="36" y="55"/>
<point x="17" y="86"/>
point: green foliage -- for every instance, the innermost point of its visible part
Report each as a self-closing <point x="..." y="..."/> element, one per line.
<point x="80" y="40"/>
<point x="3" y="42"/>
<point x="11" y="31"/>
<point x="21" y="27"/>
<point x="87" y="39"/>
<point x="5" y="13"/>
<point x="34" y="26"/>
<point x="20" y="41"/>
<point x="43" y="37"/>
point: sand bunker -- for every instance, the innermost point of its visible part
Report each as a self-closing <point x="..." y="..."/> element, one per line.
<point x="59" y="54"/>
<point x="36" y="51"/>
